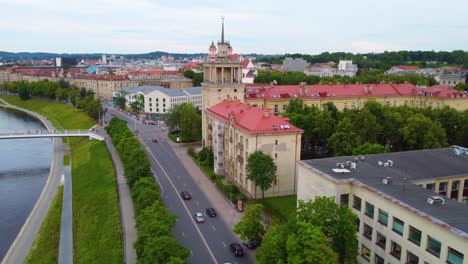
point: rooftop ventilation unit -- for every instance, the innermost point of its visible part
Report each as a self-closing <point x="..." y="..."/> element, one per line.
<point x="435" y="200"/>
<point x="342" y="171"/>
<point x="387" y="180"/>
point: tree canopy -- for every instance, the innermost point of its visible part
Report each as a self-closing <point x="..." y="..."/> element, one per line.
<point x="250" y="226"/>
<point x="261" y="169"/>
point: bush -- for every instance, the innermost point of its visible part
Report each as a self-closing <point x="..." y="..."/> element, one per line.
<point x="190" y="150"/>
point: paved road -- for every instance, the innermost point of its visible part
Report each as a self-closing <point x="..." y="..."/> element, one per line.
<point x="209" y="241"/>
<point x="20" y="247"/>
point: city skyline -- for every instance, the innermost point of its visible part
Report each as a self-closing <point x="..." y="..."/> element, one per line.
<point x="267" y="27"/>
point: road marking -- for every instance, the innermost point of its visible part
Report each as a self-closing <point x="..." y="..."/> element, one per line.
<point x="183" y="234"/>
<point x="224" y="244"/>
<point x="191" y="253"/>
<point x="156" y="177"/>
<point x="185" y="206"/>
<point x="212" y="226"/>
<point x="197" y="203"/>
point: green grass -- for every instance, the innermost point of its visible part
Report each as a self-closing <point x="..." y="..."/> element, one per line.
<point x="62" y="116"/>
<point x="97" y="234"/>
<point x="66" y="160"/>
<point x="282" y="208"/>
<point x="45" y="248"/>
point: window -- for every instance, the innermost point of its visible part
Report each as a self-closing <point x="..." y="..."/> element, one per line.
<point x="235" y="90"/>
<point x="276" y="155"/>
<point x="455" y="185"/>
<point x="398" y="226"/>
<point x="411" y="258"/>
<point x="367" y="231"/>
<point x="358" y="223"/>
<point x="157" y="99"/>
<point x="219" y="90"/>
<point x="414" y="235"/>
<point x="443" y="188"/>
<point x="285" y="107"/>
<point x="454" y="257"/>
<point x="151" y="109"/>
<point x="276" y="142"/>
<point x="378" y="259"/>
<point x="430" y="186"/>
<point x="365" y="252"/>
<point x="344" y="199"/>
<point x="433" y="246"/>
<point x="383" y="217"/>
<point x="164" y="99"/>
<point x="150" y="99"/>
<point x="370" y="210"/>
<point x="381" y="240"/>
<point x="395" y="250"/>
<point x="357" y="203"/>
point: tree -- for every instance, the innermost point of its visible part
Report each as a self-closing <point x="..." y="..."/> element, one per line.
<point x="422" y="133"/>
<point x="344" y="140"/>
<point x="261" y="169"/>
<point x="138" y="104"/>
<point x="163" y="250"/>
<point x="190" y="123"/>
<point x="120" y="100"/>
<point x="308" y="244"/>
<point x="24" y="92"/>
<point x="336" y="222"/>
<point x="369" y="148"/>
<point x="173" y="117"/>
<point x="273" y="249"/>
<point x="250" y="226"/>
<point x="366" y="126"/>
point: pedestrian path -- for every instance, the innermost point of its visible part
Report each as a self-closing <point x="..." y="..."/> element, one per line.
<point x="66" y="227"/>
<point x="127" y="213"/>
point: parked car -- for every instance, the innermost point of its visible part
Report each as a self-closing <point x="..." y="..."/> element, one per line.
<point x="251" y="243"/>
<point x="211" y="212"/>
<point x="236" y="249"/>
<point x="186" y="195"/>
<point x="199" y="218"/>
<point x="155" y="140"/>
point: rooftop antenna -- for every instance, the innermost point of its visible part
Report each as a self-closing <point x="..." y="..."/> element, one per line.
<point x="222" y="29"/>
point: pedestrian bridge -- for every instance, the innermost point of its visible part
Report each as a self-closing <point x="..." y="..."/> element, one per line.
<point x="55" y="133"/>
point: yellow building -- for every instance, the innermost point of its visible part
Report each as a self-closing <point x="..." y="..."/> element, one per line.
<point x="406" y="202"/>
<point x="354" y="96"/>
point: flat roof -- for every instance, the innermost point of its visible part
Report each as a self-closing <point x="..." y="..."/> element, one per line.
<point x="146" y="89"/>
<point x="407" y="167"/>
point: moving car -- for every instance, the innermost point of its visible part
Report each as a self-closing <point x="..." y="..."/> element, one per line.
<point x="155" y="140"/>
<point x="236" y="249"/>
<point x="186" y="195"/>
<point x="211" y="212"/>
<point x="251" y="243"/>
<point x="199" y="218"/>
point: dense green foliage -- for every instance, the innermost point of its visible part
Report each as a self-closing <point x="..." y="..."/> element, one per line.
<point x="364" y="76"/>
<point x="197" y="77"/>
<point x="155" y="223"/>
<point x="384" y="60"/>
<point x="185" y="119"/>
<point x="251" y="226"/>
<point x="138" y="104"/>
<point x="120" y="100"/>
<point x="281" y="208"/>
<point x="45" y="247"/>
<point x="376" y="128"/>
<point x="97" y="233"/>
<point x="80" y="98"/>
<point x="322" y="232"/>
<point x="261" y="170"/>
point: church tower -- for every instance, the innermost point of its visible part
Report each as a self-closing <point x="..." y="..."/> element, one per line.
<point x="222" y="79"/>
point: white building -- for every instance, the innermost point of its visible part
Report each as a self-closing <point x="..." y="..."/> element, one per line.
<point x="158" y="100"/>
<point x="249" y="72"/>
<point x="345" y="68"/>
<point x="409" y="204"/>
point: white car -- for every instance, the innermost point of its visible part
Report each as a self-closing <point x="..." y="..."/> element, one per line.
<point x="199" y="218"/>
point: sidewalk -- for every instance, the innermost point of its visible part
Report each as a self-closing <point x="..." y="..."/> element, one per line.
<point x="127" y="213"/>
<point x="223" y="206"/>
<point x="66" y="227"/>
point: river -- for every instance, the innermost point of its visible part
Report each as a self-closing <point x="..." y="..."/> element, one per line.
<point x="24" y="168"/>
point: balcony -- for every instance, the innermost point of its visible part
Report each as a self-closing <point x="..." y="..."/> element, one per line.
<point x="240" y="159"/>
<point x="240" y="146"/>
<point x="210" y="127"/>
<point x="230" y="140"/>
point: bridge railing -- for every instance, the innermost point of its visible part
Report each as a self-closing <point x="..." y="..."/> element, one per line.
<point x="45" y="132"/>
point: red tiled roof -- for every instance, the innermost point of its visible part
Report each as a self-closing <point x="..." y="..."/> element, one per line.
<point x="245" y="63"/>
<point x="234" y="57"/>
<point x="408" y="67"/>
<point x="350" y="90"/>
<point x="252" y="119"/>
<point x="190" y="65"/>
<point x="153" y="72"/>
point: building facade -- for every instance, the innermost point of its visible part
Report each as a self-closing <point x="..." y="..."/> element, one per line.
<point x="407" y="211"/>
<point x="354" y="96"/>
<point x="294" y="64"/>
<point x="452" y="79"/>
<point x="236" y="130"/>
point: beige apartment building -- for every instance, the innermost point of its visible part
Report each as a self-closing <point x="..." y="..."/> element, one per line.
<point x="236" y="130"/>
<point x="354" y="96"/>
<point x="402" y="218"/>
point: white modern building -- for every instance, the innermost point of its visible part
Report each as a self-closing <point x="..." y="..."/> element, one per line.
<point x="345" y="68"/>
<point x="410" y="204"/>
<point x="158" y="100"/>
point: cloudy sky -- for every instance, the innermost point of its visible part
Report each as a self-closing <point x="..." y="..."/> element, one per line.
<point x="261" y="26"/>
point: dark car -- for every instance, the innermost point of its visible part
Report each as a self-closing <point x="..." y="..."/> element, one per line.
<point x="155" y="140"/>
<point x="211" y="212"/>
<point x="186" y="195"/>
<point x="252" y="243"/>
<point x="236" y="249"/>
